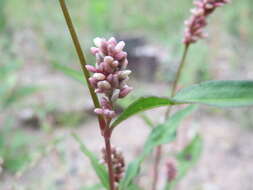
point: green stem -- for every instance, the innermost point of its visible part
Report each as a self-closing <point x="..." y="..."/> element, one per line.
<point x="158" y="153"/>
<point x="178" y="76"/>
<point x="81" y="58"/>
<point x="102" y="123"/>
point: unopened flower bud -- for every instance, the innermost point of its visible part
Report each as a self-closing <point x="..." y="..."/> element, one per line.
<point x="93" y="82"/>
<point x="97" y="42"/>
<point x="115" y="64"/>
<point x="99" y="111"/>
<point x="171" y="170"/>
<point x="108" y="59"/>
<point x="109" y="76"/>
<point x="120" y="55"/>
<point x="125" y="91"/>
<point x="109" y="113"/>
<point x="115" y="95"/>
<point x="99" y="76"/>
<point x="120" y="46"/>
<point x="94" y="50"/>
<point x="104" y="85"/>
<point x="90" y="68"/>
<point x="124" y="74"/>
<point x="112" y="41"/>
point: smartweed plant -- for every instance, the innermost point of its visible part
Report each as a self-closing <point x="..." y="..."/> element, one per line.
<point x="108" y="83"/>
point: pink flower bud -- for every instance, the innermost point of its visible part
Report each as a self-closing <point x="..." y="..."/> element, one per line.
<point x="99" y="111"/>
<point x="109" y="76"/>
<point x="115" y="95"/>
<point x="115" y="64"/>
<point x="93" y="82"/>
<point x="171" y="170"/>
<point x="120" y="46"/>
<point x="111" y="50"/>
<point x="109" y="113"/>
<point x="125" y="91"/>
<point x="90" y="68"/>
<point x="107" y="68"/>
<point x="119" y="56"/>
<point x="99" y="76"/>
<point x="124" y="74"/>
<point x="97" y="42"/>
<point x="115" y="80"/>
<point x="108" y="59"/>
<point x="112" y="41"/>
<point x="104" y="85"/>
<point x="94" y="50"/>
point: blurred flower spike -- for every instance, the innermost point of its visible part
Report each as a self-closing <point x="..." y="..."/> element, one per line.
<point x="109" y="74"/>
<point x="198" y="21"/>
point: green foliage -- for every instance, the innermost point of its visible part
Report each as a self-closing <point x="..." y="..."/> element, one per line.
<point x="140" y="105"/>
<point x="162" y="134"/>
<point x="14" y="148"/>
<point x="10" y="91"/>
<point x="99" y="16"/>
<point x="186" y="160"/>
<point x="218" y="93"/>
<point x="72" y="73"/>
<point x="99" y="168"/>
<point x="16" y="94"/>
<point x="166" y="132"/>
<point x="2" y="15"/>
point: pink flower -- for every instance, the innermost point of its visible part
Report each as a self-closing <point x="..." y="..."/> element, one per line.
<point x="198" y="21"/>
<point x="109" y="73"/>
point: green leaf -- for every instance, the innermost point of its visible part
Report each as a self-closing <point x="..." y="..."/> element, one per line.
<point x="17" y="94"/>
<point x="132" y="171"/>
<point x="187" y="159"/>
<point x="72" y="73"/>
<point x="218" y="93"/>
<point x="166" y="132"/>
<point x="134" y="187"/>
<point x="147" y="120"/>
<point x="140" y="105"/>
<point x="99" y="168"/>
<point x="162" y="134"/>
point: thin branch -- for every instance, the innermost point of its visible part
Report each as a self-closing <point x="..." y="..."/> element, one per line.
<point x="109" y="161"/>
<point x="81" y="57"/>
<point x="158" y="153"/>
<point x="178" y="76"/>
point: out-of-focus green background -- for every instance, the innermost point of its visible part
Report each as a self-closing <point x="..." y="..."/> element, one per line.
<point x="39" y="105"/>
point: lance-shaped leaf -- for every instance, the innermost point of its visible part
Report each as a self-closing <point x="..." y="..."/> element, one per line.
<point x="140" y="105"/>
<point x="186" y="160"/>
<point x="166" y="132"/>
<point x="99" y="168"/>
<point x="72" y="73"/>
<point x="218" y="93"/>
<point x="162" y="134"/>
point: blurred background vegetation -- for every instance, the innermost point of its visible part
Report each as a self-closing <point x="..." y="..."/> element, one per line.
<point x="33" y="37"/>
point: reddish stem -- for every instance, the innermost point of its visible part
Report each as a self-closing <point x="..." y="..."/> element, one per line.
<point x="158" y="155"/>
<point x="107" y="138"/>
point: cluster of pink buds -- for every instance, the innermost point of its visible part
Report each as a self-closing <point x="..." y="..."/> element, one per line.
<point x="197" y="22"/>
<point x="118" y="163"/>
<point x="110" y="74"/>
<point x="171" y="170"/>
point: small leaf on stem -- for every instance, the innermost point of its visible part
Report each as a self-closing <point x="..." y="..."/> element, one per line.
<point x="140" y="105"/>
